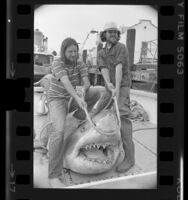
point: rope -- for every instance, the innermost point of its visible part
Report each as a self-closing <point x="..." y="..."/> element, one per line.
<point x="102" y="132"/>
<point x="117" y="111"/>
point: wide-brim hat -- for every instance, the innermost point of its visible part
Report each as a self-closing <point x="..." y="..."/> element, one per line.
<point x="111" y="26"/>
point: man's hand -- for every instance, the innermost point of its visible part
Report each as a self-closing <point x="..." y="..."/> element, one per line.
<point x="81" y="93"/>
<point x="115" y="93"/>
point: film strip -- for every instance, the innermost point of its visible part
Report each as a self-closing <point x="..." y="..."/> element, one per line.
<point x="19" y="117"/>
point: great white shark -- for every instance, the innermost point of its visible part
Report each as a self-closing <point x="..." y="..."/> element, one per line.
<point x="87" y="150"/>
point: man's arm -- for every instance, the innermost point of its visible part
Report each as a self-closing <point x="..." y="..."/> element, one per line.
<point x="70" y="89"/>
<point x="121" y="60"/>
<point x="105" y="74"/>
<point x="104" y="70"/>
<point x="68" y="86"/>
<point x="118" y="75"/>
<point x="61" y="74"/>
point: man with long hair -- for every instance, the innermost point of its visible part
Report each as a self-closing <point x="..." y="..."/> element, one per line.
<point x="67" y="73"/>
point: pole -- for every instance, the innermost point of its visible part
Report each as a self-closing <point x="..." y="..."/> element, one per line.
<point x="85" y="41"/>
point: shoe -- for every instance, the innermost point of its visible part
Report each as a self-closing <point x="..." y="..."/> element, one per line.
<point x="125" y="166"/>
<point x="129" y="159"/>
<point x="56" y="183"/>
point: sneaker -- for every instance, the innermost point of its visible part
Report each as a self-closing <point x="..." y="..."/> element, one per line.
<point x="57" y="182"/>
<point x="124" y="166"/>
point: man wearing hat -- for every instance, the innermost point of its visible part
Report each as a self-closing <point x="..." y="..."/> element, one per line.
<point x="113" y="61"/>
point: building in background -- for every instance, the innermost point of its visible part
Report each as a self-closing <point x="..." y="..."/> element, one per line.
<point x="40" y="41"/>
<point x="141" y="40"/>
<point x="92" y="56"/>
<point x="42" y="58"/>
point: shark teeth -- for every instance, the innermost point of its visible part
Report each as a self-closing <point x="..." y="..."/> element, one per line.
<point x="108" y="161"/>
<point x="97" y="146"/>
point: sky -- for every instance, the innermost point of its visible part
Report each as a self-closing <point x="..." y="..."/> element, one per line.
<point x="60" y="21"/>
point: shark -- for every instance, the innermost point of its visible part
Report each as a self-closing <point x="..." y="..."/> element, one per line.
<point x="91" y="149"/>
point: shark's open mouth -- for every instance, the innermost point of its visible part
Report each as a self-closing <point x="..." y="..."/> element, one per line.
<point x="99" y="153"/>
<point x="90" y="151"/>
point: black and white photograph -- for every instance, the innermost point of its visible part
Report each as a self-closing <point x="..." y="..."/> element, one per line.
<point x="95" y="96"/>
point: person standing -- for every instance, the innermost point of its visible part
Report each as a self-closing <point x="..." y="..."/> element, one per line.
<point x="67" y="73"/>
<point x="113" y="62"/>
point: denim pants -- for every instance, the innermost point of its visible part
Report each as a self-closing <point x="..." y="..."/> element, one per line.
<point x="58" y="109"/>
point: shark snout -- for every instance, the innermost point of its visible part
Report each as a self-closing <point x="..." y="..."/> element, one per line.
<point x="108" y="125"/>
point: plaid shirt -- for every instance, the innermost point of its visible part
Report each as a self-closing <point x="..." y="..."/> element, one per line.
<point x="59" y="69"/>
<point x="110" y="58"/>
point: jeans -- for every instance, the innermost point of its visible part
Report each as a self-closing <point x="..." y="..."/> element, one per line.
<point x="58" y="110"/>
<point x="123" y="101"/>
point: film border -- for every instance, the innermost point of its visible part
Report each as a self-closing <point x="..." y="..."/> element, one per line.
<point x="170" y="87"/>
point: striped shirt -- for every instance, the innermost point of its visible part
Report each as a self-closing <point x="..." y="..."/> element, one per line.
<point x="59" y="69"/>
